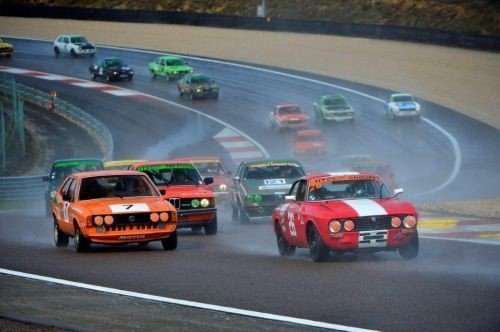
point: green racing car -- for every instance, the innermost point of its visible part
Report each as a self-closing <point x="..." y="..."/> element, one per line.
<point x="260" y="185"/>
<point x="170" y="67"/>
<point x="333" y="108"/>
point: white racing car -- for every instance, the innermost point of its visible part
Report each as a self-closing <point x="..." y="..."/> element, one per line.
<point x="402" y="105"/>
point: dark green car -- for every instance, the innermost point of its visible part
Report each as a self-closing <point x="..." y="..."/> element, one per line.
<point x="260" y="185"/>
<point x="198" y="86"/>
<point x="170" y="67"/>
<point x="61" y="169"/>
<point x="333" y="108"/>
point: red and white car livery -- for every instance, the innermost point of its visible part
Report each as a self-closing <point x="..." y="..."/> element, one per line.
<point x="288" y="116"/>
<point x="345" y="211"/>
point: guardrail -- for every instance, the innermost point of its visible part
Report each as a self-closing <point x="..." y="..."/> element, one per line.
<point x="14" y="188"/>
<point x="432" y="36"/>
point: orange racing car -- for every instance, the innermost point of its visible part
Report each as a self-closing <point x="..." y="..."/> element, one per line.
<point x="112" y="207"/>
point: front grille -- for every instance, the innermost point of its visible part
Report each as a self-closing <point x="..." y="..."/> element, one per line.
<point x="134" y="227"/>
<point x="275" y="198"/>
<point x="132" y="218"/>
<point x="372" y="223"/>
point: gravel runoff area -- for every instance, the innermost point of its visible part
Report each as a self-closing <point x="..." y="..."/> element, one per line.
<point x="467" y="81"/>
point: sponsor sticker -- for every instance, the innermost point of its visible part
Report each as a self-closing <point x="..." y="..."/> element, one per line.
<point x="274" y="181"/>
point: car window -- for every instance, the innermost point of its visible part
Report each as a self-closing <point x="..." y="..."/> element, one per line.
<point x="209" y="168"/>
<point x="403" y="99"/>
<point x="301" y="191"/>
<point x="78" y="40"/>
<point x="270" y="171"/>
<point x="71" y="190"/>
<point x="66" y="40"/>
<point x="293" y="189"/>
<point x="175" y="62"/>
<point x="66" y="186"/>
<point x="200" y="80"/>
<point x="116" y="186"/>
<point x="172" y="174"/>
<point x="60" y="39"/>
<point x="289" y="110"/>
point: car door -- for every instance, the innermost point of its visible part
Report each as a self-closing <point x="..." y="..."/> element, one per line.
<point x="66" y="44"/>
<point x="297" y="208"/>
<point x="287" y="217"/>
<point x="63" y="202"/>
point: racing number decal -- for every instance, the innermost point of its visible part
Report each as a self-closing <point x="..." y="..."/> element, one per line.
<point x="66" y="212"/>
<point x="291" y="224"/>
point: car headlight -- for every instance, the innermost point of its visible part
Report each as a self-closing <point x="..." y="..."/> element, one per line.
<point x="198" y="90"/>
<point x="175" y="72"/>
<point x="395" y="222"/>
<point x="164" y="216"/>
<point x="108" y="220"/>
<point x="257" y="198"/>
<point x="417" y="107"/>
<point x="115" y="72"/>
<point x="349" y="225"/>
<point x="79" y="48"/>
<point x="132" y="72"/>
<point x="98" y="220"/>
<point x="334" y="226"/>
<point x="249" y="198"/>
<point x="223" y="187"/>
<point x="204" y="202"/>
<point x="409" y="221"/>
<point x="154" y="217"/>
<point x="195" y="203"/>
<point x="53" y="194"/>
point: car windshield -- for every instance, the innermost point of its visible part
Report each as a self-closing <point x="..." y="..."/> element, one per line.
<point x="209" y="168"/>
<point x="403" y="99"/>
<point x="200" y="79"/>
<point x="60" y="170"/>
<point x="335" y="102"/>
<point x="263" y="172"/>
<point x="289" y="110"/>
<point x="347" y="189"/>
<point x="175" y="62"/>
<point x="172" y="174"/>
<point x="114" y="62"/>
<point x="116" y="186"/>
<point x="310" y="138"/>
<point x="78" y="40"/>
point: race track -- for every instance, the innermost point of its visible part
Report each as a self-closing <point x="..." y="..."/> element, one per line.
<point x="435" y="159"/>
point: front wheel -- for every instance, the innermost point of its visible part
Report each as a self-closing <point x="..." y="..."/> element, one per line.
<point x="153" y="74"/>
<point x="108" y="78"/>
<point x="318" y="250"/>
<point x="60" y="239"/>
<point x="192" y="96"/>
<point x="81" y="243"/>
<point x="211" y="227"/>
<point x="56" y="51"/>
<point x="284" y="248"/>
<point x="73" y="53"/>
<point x="170" y="243"/>
<point x="410" y="251"/>
<point x="92" y="75"/>
<point x="242" y="217"/>
<point x="130" y="77"/>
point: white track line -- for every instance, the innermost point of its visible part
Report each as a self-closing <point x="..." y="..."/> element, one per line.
<point x="453" y="141"/>
<point x="191" y="304"/>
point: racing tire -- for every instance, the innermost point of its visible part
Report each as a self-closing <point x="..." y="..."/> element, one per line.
<point x="192" y="96"/>
<point x="318" y="250"/>
<point x="390" y="115"/>
<point x="130" y="77"/>
<point x="60" y="239"/>
<point x="56" y="51"/>
<point x="196" y="228"/>
<point x="211" y="227"/>
<point x="216" y="96"/>
<point x="410" y="251"/>
<point x="92" y="76"/>
<point x="108" y="78"/>
<point x="284" y="248"/>
<point x="242" y="217"/>
<point x="153" y="75"/>
<point x="8" y="55"/>
<point x="81" y="243"/>
<point x="181" y="93"/>
<point x="170" y="243"/>
<point x="73" y="53"/>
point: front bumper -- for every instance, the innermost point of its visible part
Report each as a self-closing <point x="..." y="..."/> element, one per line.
<point x="375" y="240"/>
<point x="261" y="212"/>
<point x="338" y="118"/>
<point x="188" y="218"/>
<point x="131" y="234"/>
<point x="85" y="51"/>
<point x="205" y="93"/>
<point x="6" y="51"/>
<point x="406" y="114"/>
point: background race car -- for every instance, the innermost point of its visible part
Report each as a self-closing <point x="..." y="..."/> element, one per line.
<point x="120" y="164"/>
<point x="197" y="86"/>
<point x="260" y="185"/>
<point x="309" y="143"/>
<point x="111" y="69"/>
<point x="182" y="185"/>
<point x="402" y="105"/>
<point x="6" y="48"/>
<point x="73" y="44"/>
<point x="288" y="116"/>
<point x="61" y="169"/>
<point x="333" y="108"/>
<point x="170" y="67"/>
<point x="343" y="212"/>
<point x="112" y="207"/>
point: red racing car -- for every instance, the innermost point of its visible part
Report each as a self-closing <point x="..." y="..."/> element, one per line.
<point x="342" y="212"/>
<point x="288" y="116"/>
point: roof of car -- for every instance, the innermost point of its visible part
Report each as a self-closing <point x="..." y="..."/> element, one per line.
<point x="122" y="162"/>
<point x="401" y="95"/>
<point x="198" y="159"/>
<point x="287" y="105"/>
<point x="271" y="161"/>
<point x="165" y="162"/>
<point x="76" y="159"/>
<point x="333" y="97"/>
<point x="105" y="173"/>
<point x="169" y="57"/>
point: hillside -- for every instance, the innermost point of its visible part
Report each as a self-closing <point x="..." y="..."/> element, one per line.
<point x="465" y="16"/>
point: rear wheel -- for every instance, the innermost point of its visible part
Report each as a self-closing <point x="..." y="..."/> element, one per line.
<point x="170" y="243"/>
<point x="60" y="239"/>
<point x="81" y="243"/>
<point x="153" y="74"/>
<point x="284" y="248"/>
<point x="56" y="51"/>
<point x="318" y="251"/>
<point x="73" y="53"/>
<point x="410" y="251"/>
<point x="211" y="227"/>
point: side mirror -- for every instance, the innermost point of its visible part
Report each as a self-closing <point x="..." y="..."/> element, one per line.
<point x="398" y="192"/>
<point x="289" y="198"/>
<point x="208" y="180"/>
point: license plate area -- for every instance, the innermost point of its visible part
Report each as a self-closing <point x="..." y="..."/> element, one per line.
<point x="372" y="239"/>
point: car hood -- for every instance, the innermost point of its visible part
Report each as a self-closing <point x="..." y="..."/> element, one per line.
<point x="348" y="208"/>
<point x="179" y="68"/>
<point x="309" y="145"/>
<point x="268" y="186"/>
<point x="119" y="68"/>
<point x="288" y="117"/>
<point x="339" y="108"/>
<point x="124" y="205"/>
<point x="5" y="45"/>
<point x="190" y="191"/>
<point x="406" y="105"/>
